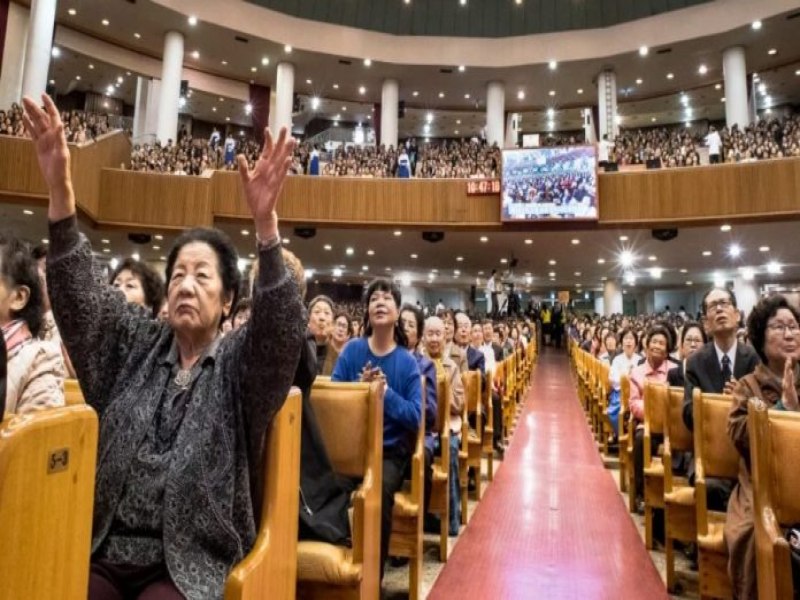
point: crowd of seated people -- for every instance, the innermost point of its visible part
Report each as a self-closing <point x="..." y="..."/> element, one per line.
<point x="714" y="354"/>
<point x="79" y="126"/>
<point x="679" y="147"/>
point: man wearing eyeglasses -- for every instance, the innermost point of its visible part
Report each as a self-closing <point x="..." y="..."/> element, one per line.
<point x="716" y="368"/>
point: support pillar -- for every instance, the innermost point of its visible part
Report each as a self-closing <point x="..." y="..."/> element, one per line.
<point x="612" y="298"/>
<point x="390" y="98"/>
<point x="284" y="89"/>
<point x="495" y="112"/>
<point x="38" y="48"/>
<point x="16" y="38"/>
<point x="145" y="110"/>
<point x="734" y="71"/>
<point x="607" y="103"/>
<point x="171" y="72"/>
<point x="513" y="128"/>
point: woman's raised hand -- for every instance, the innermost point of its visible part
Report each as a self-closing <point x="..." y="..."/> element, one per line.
<point x="47" y="132"/>
<point x="263" y="184"/>
<point x="789" y="390"/>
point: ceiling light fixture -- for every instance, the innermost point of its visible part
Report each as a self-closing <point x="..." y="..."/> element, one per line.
<point x="104" y="22"/>
<point x="552" y="65"/>
<point x="756" y="25"/>
<point x="367" y="62"/>
<point x="702" y="69"/>
<point x="349" y="251"/>
<point x="72" y="12"/>
<point x="287" y="48"/>
<point x="644" y="51"/>
<point x="735" y="250"/>
<point x="192" y="20"/>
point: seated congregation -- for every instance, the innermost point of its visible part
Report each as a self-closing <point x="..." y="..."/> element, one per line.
<point x="688" y="407"/>
<point x="171" y="404"/>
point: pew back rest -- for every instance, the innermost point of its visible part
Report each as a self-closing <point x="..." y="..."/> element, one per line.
<point x="73" y="395"/>
<point x="343" y="415"/>
<point x="655" y="401"/>
<point x="680" y="438"/>
<point x="271" y="566"/>
<point x="713" y="447"/>
<point x="472" y="390"/>
<point x="47" y="471"/>
<point x="779" y="447"/>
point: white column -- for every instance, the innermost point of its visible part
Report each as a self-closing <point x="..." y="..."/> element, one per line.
<point x="140" y="107"/>
<point x="589" y="132"/>
<point x="513" y="127"/>
<point x="14" y="55"/>
<point x="171" y="73"/>
<point x="284" y="90"/>
<point x="607" y="103"/>
<point x="612" y="298"/>
<point x="495" y="112"/>
<point x="38" y="47"/>
<point x="390" y="98"/>
<point x="746" y="294"/>
<point x="735" y="72"/>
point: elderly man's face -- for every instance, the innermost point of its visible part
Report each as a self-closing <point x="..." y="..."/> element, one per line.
<point x="433" y="338"/>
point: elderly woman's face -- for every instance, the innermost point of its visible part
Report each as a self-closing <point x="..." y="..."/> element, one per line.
<point x="409" y="322"/>
<point x="781" y="340"/>
<point x="341" y="330"/>
<point x="657" y="349"/>
<point x="321" y="319"/>
<point x="131" y="286"/>
<point x="692" y="342"/>
<point x="195" y="293"/>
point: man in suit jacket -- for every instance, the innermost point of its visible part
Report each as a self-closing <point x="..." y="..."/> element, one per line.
<point x="717" y="366"/>
<point x="715" y="369"/>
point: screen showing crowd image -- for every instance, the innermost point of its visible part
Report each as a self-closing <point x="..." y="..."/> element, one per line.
<point x="549" y="183"/>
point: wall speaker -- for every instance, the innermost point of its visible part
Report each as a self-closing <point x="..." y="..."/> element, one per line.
<point x="305" y="232"/>
<point x="433" y="236"/>
<point x="665" y="235"/>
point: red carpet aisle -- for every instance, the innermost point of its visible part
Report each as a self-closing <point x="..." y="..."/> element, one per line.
<point x="552" y="524"/>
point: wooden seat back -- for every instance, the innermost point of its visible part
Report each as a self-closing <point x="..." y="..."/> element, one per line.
<point x="680" y="438"/>
<point x="714" y="452"/>
<point x="270" y="569"/>
<point x="47" y="473"/>
<point x="73" y="395"/>
<point x="472" y="391"/>
<point x="774" y="442"/>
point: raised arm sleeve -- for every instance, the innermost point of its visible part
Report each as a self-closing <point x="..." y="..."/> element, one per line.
<point x="404" y="406"/>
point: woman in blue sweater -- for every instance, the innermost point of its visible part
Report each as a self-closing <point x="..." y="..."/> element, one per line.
<point x="382" y="355"/>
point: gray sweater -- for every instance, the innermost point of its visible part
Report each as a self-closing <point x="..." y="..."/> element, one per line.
<point x="121" y="358"/>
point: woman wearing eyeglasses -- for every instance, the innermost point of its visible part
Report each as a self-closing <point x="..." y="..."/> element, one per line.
<point x="693" y="337"/>
<point x="774" y="330"/>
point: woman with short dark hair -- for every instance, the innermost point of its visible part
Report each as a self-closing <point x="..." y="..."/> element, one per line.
<point x="382" y="355"/>
<point x="774" y="329"/>
<point x="35" y="368"/>
<point x="140" y="283"/>
<point x="183" y="412"/>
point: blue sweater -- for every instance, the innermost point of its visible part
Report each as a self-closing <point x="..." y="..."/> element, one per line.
<point x="402" y="405"/>
<point x="428" y="371"/>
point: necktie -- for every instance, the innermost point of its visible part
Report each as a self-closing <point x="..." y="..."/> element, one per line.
<point x="726" y="368"/>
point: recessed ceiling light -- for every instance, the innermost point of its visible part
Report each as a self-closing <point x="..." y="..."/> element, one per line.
<point x="459" y="259"/>
<point x="398" y="233"/>
<point x="652" y="258"/>
<point x="213" y="109"/>
<point x="553" y="65"/>
<point x="601" y="261"/>
<point x="441" y="94"/>
<point x="365" y="267"/>
<point x="551" y="274"/>
<point x="576" y="241"/>
<point x="415" y="93"/>
<point x="253" y="69"/>
<point x="52" y="82"/>
<point x="91" y="66"/>
<point x="458" y="121"/>
<point x="362" y="90"/>
<point x="580" y="90"/>
<point x="27" y="212"/>
<point x="670" y="76"/>
<point x="520" y="95"/>
<point x="349" y="251"/>
<point x="55" y="52"/>
<point x="772" y="51"/>
<point x="643" y="50"/>
<point x="684" y="270"/>
<point x="287" y="48"/>
<point x="224" y="62"/>
<point x="105" y="22"/>
<point x="774" y="268"/>
<point x="227" y="118"/>
<point x="552" y="92"/>
<point x="626" y="258"/>
<point x="72" y="12"/>
<point x="639" y="81"/>
<point x="688" y="283"/>
<point x="484" y="239"/>
<point x="551" y="261"/>
<point x="725" y="227"/>
<point x="192" y="20"/>
<point x="706" y="252"/>
<point x="466" y="96"/>
<point x="528" y="241"/>
<point x="652" y="119"/>
<point x="756" y="25"/>
<point x="461" y="68"/>
<point x="370" y="252"/>
<point x="196" y="54"/>
<point x="503" y="261"/>
<point x="414" y="256"/>
<point x="763" y="248"/>
<point x="285" y="241"/>
<point x="577" y="273"/>
<point x="156" y="247"/>
<point x="702" y="69"/>
<point x="327" y="247"/>
<point x="735" y="250"/>
<point x="137" y="36"/>
<point x="367" y="62"/>
<point x="77" y="77"/>
<point x="107" y="250"/>
<point x="264" y="61"/>
<point x="245" y="232"/>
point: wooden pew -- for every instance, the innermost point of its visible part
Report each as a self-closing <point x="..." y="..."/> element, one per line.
<point x="471" y="443"/>
<point x="774" y="443"/>
<point x="625" y="441"/>
<point x="350" y="418"/>
<point x="47" y="471"/>
<point x="655" y="400"/>
<point x="409" y="511"/>
<point x="270" y="569"/>
<point x="440" y="481"/>
<point x="714" y="456"/>
<point x="603" y="389"/>
<point x="73" y="395"/>
<point x="680" y="522"/>
<point x="488" y="427"/>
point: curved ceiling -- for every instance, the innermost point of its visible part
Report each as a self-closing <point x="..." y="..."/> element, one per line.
<point x="474" y="18"/>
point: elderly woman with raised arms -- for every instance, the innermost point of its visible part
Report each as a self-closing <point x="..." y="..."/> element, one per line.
<point x="183" y="413"/>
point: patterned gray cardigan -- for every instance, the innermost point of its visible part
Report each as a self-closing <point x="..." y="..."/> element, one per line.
<point x="119" y="354"/>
